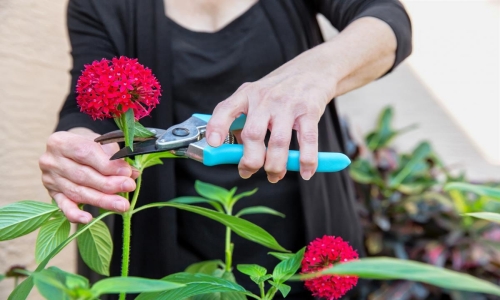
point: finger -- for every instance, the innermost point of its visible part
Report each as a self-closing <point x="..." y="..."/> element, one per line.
<point x="135" y="173"/>
<point x="307" y="135"/>
<point x="86" y="195"/>
<point x="254" y="149"/>
<point x="277" y="151"/>
<point x="86" y="176"/>
<point x="70" y="209"/>
<point x="88" y="153"/>
<point x="223" y="116"/>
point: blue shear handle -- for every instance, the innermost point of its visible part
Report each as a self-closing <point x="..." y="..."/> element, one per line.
<point x="231" y="154"/>
<point x="238" y="123"/>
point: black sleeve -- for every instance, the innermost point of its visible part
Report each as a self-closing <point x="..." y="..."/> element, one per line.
<point x="89" y="42"/>
<point x="343" y="12"/>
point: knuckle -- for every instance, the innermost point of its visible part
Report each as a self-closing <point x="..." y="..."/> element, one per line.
<point x="309" y="137"/>
<point x="252" y="133"/>
<point x="308" y="160"/>
<point x="55" y="139"/>
<point x="47" y="179"/>
<point x="45" y="162"/>
<point x="279" y="140"/>
<point x="75" y="193"/>
<point x="250" y="164"/>
<point x="108" y="186"/>
<point x="83" y="152"/>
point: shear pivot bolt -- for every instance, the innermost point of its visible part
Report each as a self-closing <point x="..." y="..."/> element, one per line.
<point x="180" y="132"/>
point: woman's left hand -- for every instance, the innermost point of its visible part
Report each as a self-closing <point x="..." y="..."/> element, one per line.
<point x="291" y="97"/>
<point x="295" y="95"/>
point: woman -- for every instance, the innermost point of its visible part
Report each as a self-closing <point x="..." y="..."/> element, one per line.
<point x="265" y="59"/>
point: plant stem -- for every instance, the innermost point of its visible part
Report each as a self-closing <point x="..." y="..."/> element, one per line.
<point x="229" y="248"/>
<point x="127" y="224"/>
<point x="262" y="292"/>
<point x="271" y="293"/>
<point x="16" y="281"/>
<point x="229" y="254"/>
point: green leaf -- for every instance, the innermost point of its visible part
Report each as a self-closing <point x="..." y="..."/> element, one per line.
<point x="152" y="159"/>
<point x="196" y="284"/>
<point x="212" y="192"/>
<point x="127" y="125"/>
<point x="96" y="247"/>
<point x="221" y="273"/>
<point x="2" y="277"/>
<point x="281" y="256"/>
<point x="361" y="171"/>
<point x="20" y="218"/>
<point x="283" y="288"/>
<point x="54" y="283"/>
<point x="259" y="210"/>
<point x="115" y="285"/>
<point x="51" y="235"/>
<point x="204" y="267"/>
<point x="493" y="217"/>
<point x="141" y="131"/>
<point x="22" y="291"/>
<point x="461" y="204"/>
<point x="196" y="200"/>
<point x="287" y="268"/>
<point x="252" y="270"/>
<point x="50" y="287"/>
<point x="242" y="195"/>
<point x="257" y="273"/>
<point x="421" y="152"/>
<point x="490" y="192"/>
<point x="241" y="227"/>
<point x="386" y="268"/>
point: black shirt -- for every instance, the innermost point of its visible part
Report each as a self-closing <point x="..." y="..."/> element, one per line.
<point x="208" y="68"/>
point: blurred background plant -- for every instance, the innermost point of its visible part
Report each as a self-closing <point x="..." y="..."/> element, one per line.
<point x="406" y="213"/>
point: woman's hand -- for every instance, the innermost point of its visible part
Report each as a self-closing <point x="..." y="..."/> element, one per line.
<point x="295" y="96"/>
<point x="291" y="97"/>
<point x="76" y="170"/>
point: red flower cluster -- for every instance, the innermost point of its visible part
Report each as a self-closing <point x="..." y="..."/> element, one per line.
<point x="323" y="253"/>
<point x="107" y="89"/>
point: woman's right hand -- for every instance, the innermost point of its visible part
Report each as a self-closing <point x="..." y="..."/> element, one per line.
<point x="76" y="170"/>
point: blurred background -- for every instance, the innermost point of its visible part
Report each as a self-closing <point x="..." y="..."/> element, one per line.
<point x="449" y="88"/>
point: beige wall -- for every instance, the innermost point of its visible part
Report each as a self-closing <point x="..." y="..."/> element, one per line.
<point x="34" y="61"/>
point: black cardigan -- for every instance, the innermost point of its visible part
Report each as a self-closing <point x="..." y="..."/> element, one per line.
<point x="138" y="28"/>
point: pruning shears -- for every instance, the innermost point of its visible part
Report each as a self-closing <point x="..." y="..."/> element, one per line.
<point x="187" y="139"/>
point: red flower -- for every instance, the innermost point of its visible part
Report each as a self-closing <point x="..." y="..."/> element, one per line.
<point x="323" y="253"/>
<point x="106" y="89"/>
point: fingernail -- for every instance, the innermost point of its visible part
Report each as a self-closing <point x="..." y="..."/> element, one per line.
<point x="214" y="139"/>
<point x="245" y="174"/>
<point x="127" y="185"/>
<point x="306" y="175"/>
<point x="125" y="171"/>
<point x="119" y="206"/>
<point x="84" y="219"/>
<point x="272" y="179"/>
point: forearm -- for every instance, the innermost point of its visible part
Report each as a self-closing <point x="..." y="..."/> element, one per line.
<point x="361" y="53"/>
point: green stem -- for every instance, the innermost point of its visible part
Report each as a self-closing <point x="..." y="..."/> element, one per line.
<point x="229" y="256"/>
<point x="262" y="292"/>
<point x="271" y="293"/>
<point x="229" y="246"/>
<point x="127" y="224"/>
<point x="16" y="281"/>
